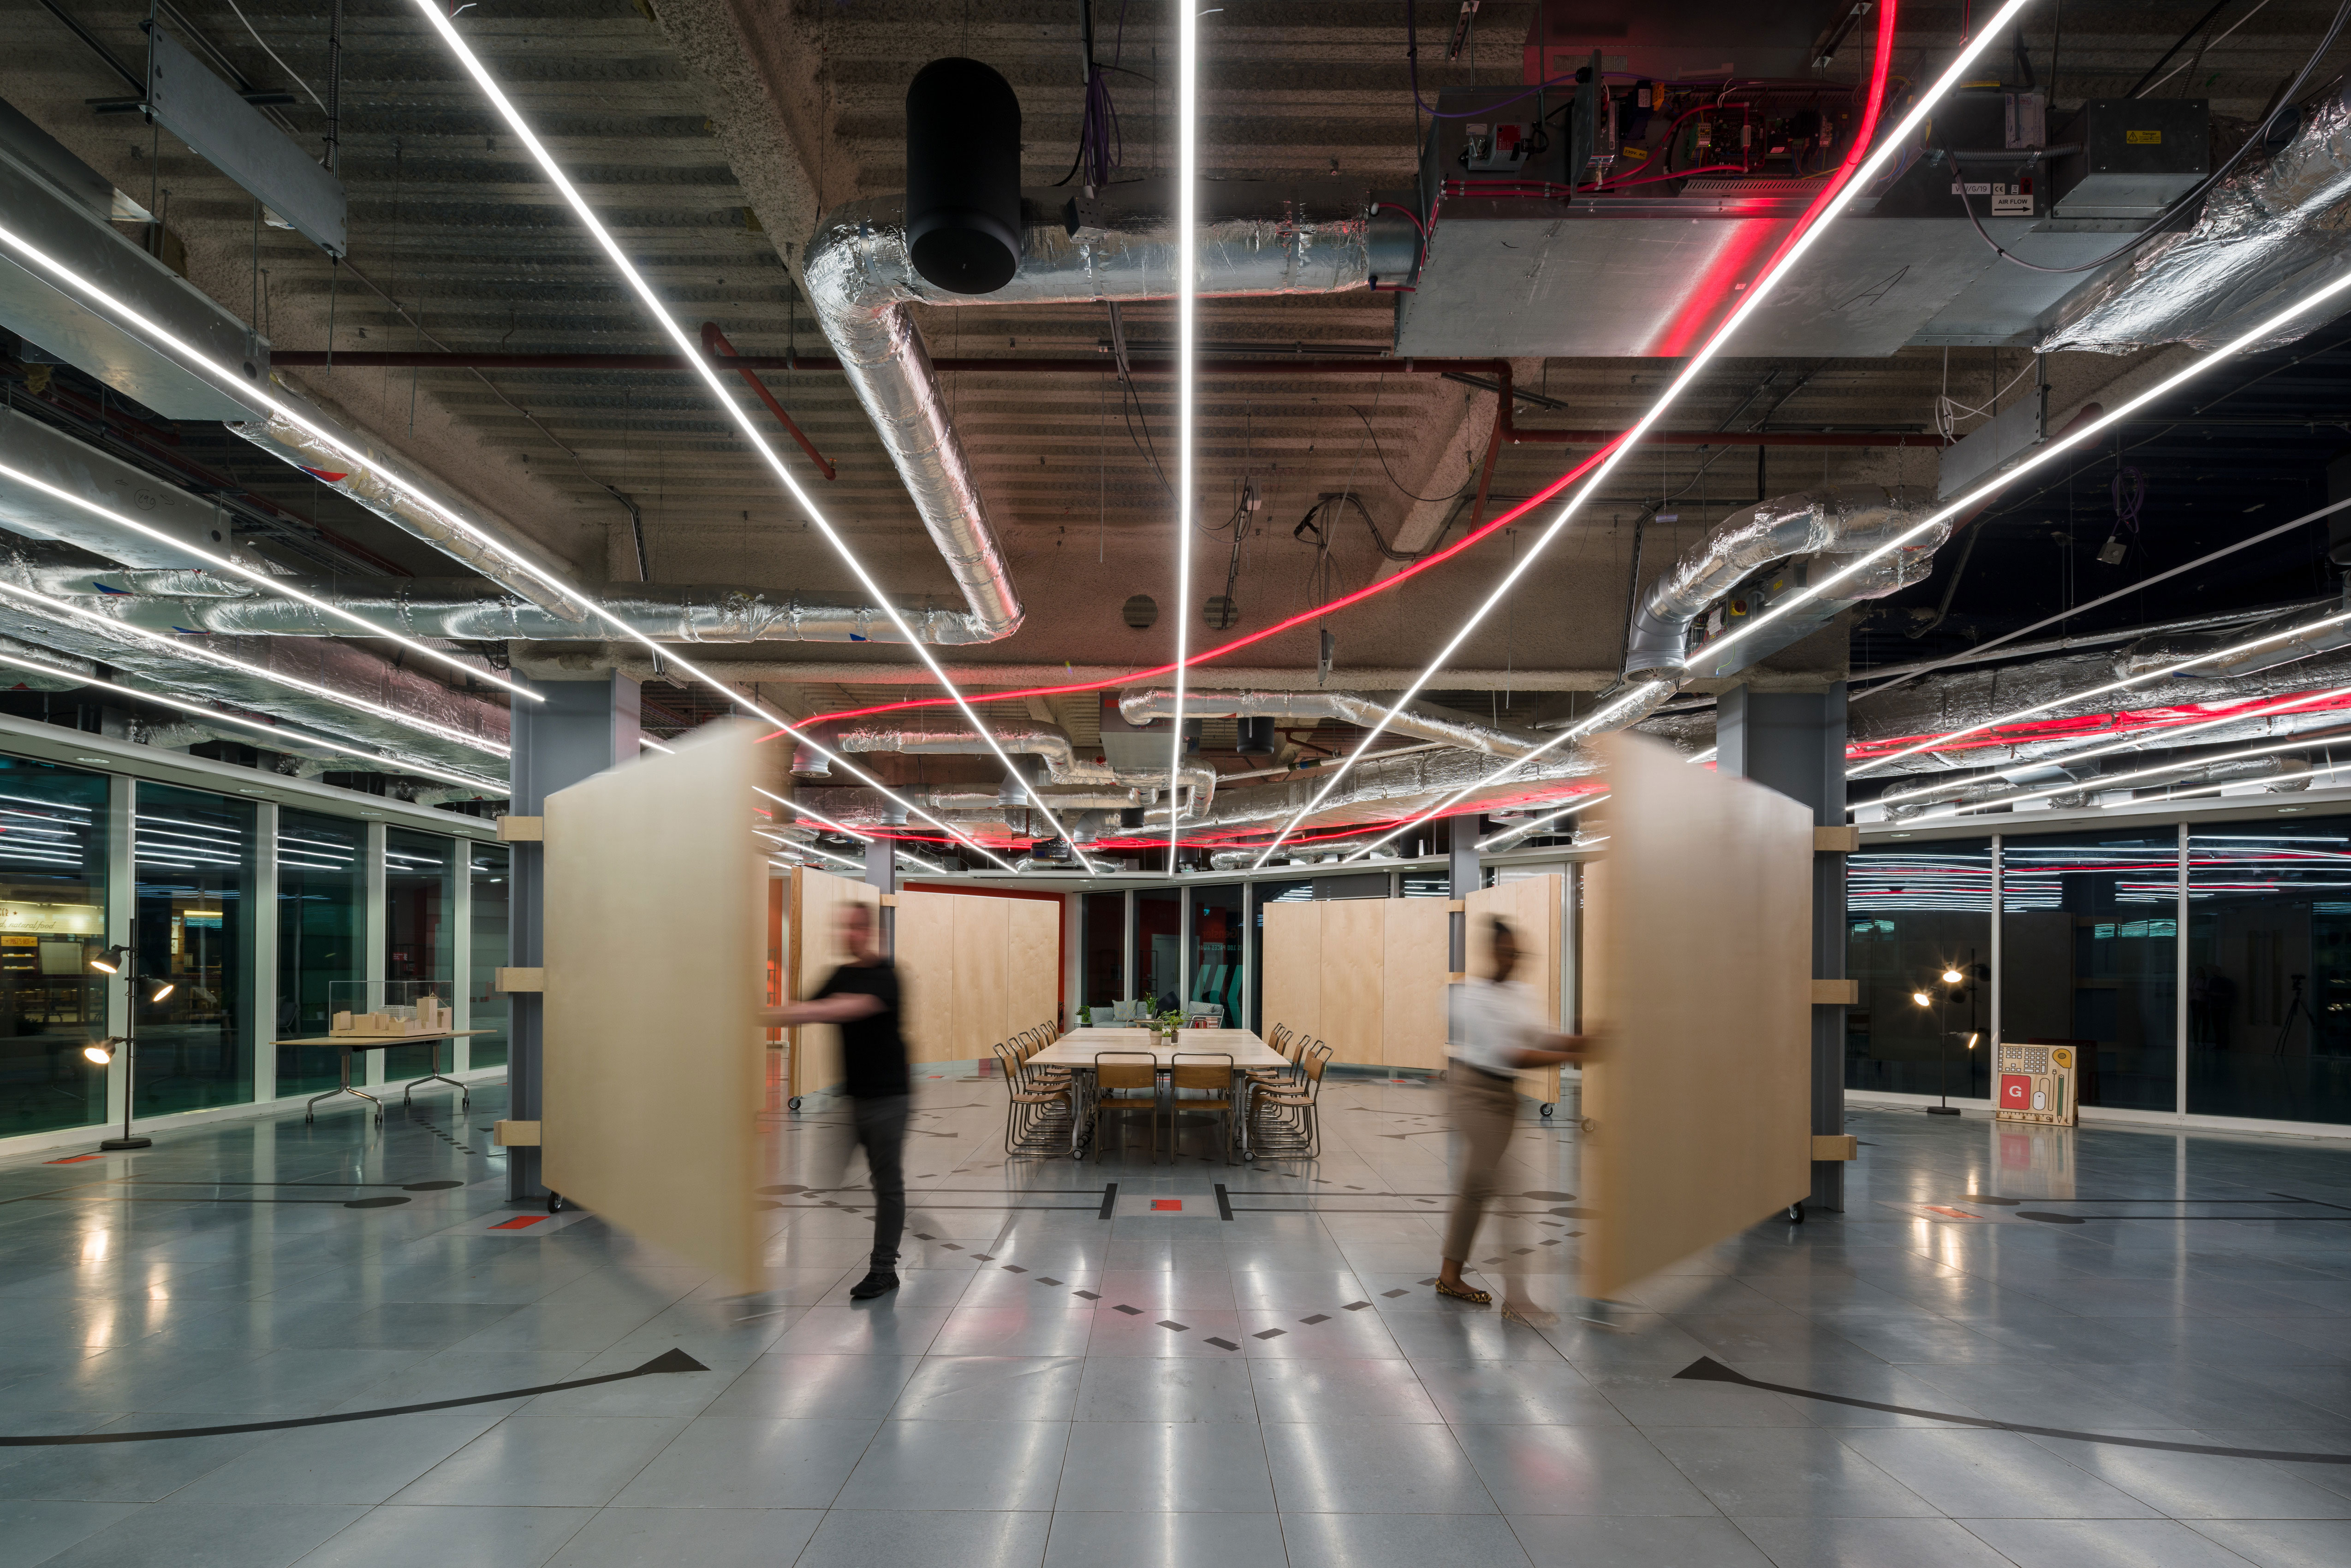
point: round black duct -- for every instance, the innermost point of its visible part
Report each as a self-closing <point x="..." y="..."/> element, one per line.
<point x="1130" y="817"/>
<point x="1256" y="736"/>
<point x="962" y="176"/>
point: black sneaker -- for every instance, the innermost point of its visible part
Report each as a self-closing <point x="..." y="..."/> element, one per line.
<point x="872" y="1285"/>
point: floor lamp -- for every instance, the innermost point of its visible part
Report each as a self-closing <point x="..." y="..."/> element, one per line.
<point x="123" y="959"/>
<point x="1950" y="977"/>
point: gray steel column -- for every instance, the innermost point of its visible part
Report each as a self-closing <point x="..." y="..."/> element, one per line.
<point x="261" y="925"/>
<point x="881" y="875"/>
<point x="376" y="942"/>
<point x="583" y="729"/>
<point x="1462" y="834"/>
<point x="1794" y="742"/>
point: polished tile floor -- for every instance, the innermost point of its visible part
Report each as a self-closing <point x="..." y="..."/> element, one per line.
<point x="1168" y="1386"/>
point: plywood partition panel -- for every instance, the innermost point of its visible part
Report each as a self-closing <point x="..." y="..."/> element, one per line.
<point x="1413" y="1033"/>
<point x="656" y="899"/>
<point x="1032" y="955"/>
<point x="981" y="998"/>
<point x="926" y="958"/>
<point x="1289" y="956"/>
<point x="1354" y="951"/>
<point x="1698" y="984"/>
<point x="816" y="896"/>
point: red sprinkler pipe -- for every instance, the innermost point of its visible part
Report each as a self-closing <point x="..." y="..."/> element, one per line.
<point x="714" y="343"/>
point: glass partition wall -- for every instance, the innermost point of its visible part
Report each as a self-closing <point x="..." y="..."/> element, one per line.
<point x="321" y="935"/>
<point x="2269" y="970"/>
<point x="193" y="863"/>
<point x="1216" y="948"/>
<point x="2089" y="952"/>
<point x="420" y="890"/>
<point x="487" y="1008"/>
<point x="1916" y="916"/>
<point x="53" y="908"/>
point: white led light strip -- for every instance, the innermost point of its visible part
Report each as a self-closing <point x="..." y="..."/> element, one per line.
<point x="490" y="787"/>
<point x="2145" y="738"/>
<point x="859" y="835"/>
<point x="700" y="361"/>
<point x="156" y="333"/>
<point x="1187" y="192"/>
<point x="1889" y="148"/>
<point x="198" y="653"/>
<point x="274" y="586"/>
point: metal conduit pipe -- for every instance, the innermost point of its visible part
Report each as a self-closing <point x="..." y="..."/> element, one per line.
<point x="397" y="491"/>
<point x="1424" y="721"/>
<point x="1252" y="238"/>
<point x="1838" y="522"/>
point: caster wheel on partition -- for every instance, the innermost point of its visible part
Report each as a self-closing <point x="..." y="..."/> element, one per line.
<point x="555" y="1203"/>
<point x="1547" y="1110"/>
<point x="1796" y="1212"/>
<point x="1588" y="1125"/>
<point x="793" y="1103"/>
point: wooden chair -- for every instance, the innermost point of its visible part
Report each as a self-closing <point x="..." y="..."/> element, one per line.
<point x="1037" y="1121"/>
<point x="1041" y="1076"/>
<point x="1207" y="1076"/>
<point x="1126" y="1082"/>
<point x="1287" y="1124"/>
<point x="1288" y="1044"/>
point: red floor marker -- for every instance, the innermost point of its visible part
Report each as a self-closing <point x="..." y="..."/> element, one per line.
<point x="517" y="1223"/>
<point x="73" y="1159"/>
<point x="1166" y="1203"/>
<point x="1954" y="1213"/>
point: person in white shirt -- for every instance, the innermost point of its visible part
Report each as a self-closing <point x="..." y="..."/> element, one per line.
<point x="1501" y="1035"/>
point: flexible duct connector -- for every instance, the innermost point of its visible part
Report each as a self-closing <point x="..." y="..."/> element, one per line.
<point x="2278" y="223"/>
<point x="1422" y="721"/>
<point x="1842" y="522"/>
<point x="395" y="490"/>
<point x="1252" y="239"/>
<point x="460" y="609"/>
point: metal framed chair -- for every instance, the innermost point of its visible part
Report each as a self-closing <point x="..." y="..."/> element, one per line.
<point x="1037" y="1121"/>
<point x="1288" y="1044"/>
<point x="1126" y="1082"/>
<point x="1287" y="1124"/>
<point x="1208" y="1077"/>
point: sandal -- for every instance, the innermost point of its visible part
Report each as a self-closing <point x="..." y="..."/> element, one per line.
<point x="1476" y="1298"/>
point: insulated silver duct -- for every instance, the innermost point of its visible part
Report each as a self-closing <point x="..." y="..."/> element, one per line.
<point x="1252" y="239"/>
<point x="1840" y="523"/>
<point x="461" y="608"/>
<point x="2277" y="223"/>
<point x="395" y="490"/>
<point x="337" y="667"/>
<point x="1050" y="743"/>
<point x="2285" y="640"/>
<point x="1422" y="720"/>
<point x="15" y="677"/>
<point x="2289" y="773"/>
<point x="1943" y="703"/>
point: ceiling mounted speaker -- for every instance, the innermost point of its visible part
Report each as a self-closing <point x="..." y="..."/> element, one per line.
<point x="1256" y="736"/>
<point x="963" y="177"/>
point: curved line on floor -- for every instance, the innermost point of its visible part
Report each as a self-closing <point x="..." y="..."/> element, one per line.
<point x="668" y="1361"/>
<point x="1706" y="1369"/>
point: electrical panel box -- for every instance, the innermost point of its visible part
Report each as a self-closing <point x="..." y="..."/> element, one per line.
<point x="2132" y="157"/>
<point x="1498" y="148"/>
<point x="2035" y="1083"/>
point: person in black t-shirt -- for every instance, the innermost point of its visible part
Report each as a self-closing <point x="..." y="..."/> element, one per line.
<point x="861" y="996"/>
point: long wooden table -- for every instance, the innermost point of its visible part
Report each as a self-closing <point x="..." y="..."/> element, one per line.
<point x="1076" y="1050"/>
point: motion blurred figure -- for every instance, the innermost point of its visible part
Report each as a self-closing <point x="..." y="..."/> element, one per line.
<point x="1501" y="1035"/>
<point x="861" y="996"/>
